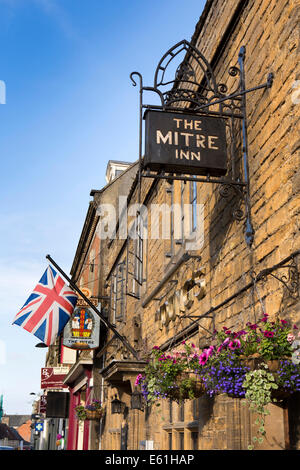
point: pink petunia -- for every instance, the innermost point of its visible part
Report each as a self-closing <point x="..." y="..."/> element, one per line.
<point x="203" y="359"/>
<point x="234" y="344"/>
<point x="137" y="380"/>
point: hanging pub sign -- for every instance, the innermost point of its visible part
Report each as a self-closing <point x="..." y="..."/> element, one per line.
<point x="82" y="330"/>
<point x="184" y="143"/>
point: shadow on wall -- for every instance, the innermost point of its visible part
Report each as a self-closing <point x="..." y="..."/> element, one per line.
<point x="206" y="406"/>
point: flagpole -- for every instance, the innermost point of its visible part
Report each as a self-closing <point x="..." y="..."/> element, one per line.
<point x="102" y="318"/>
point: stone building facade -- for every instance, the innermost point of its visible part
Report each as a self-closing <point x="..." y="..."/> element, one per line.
<point x="161" y="290"/>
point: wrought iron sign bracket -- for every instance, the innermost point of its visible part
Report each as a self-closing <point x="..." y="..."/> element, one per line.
<point x="290" y="279"/>
<point x="195" y="91"/>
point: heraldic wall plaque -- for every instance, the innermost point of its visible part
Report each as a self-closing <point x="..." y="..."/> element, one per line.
<point x="82" y="330"/>
<point x="183" y="143"/>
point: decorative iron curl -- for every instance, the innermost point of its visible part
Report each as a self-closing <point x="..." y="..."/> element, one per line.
<point x="222" y="88"/>
<point x="289" y="280"/>
<point x="238" y="214"/>
<point x="234" y="71"/>
<point x="229" y="190"/>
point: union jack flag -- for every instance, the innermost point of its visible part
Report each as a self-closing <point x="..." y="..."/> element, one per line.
<point x="48" y="308"/>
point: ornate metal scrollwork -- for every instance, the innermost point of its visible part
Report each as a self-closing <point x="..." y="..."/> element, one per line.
<point x="229" y="190"/>
<point x="194" y="87"/>
<point x="290" y="278"/>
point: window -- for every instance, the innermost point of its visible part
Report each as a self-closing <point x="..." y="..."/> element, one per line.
<point x="182" y="193"/>
<point x="193" y="205"/>
<point x="194" y="437"/>
<point x="170" y="411"/>
<point x="170" y="191"/>
<point x="196" y="409"/>
<point x="135" y="256"/>
<point x="181" y="412"/>
<point x="117" y="293"/>
<point x="181" y="440"/>
<point x="170" y="440"/>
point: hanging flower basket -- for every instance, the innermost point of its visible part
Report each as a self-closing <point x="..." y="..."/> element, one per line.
<point x="255" y="362"/>
<point x="93" y="411"/>
<point x="94" y="415"/>
<point x="260" y="363"/>
<point x="171" y="375"/>
<point x="188" y="386"/>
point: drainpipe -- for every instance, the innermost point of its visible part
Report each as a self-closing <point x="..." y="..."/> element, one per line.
<point x="101" y="399"/>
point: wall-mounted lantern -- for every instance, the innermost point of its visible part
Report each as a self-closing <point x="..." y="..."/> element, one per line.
<point x="117" y="406"/>
<point x="137" y="400"/>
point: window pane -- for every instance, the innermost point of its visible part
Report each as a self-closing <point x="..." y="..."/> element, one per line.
<point x="181" y="441"/>
<point x="170" y="440"/>
<point x="194" y="441"/>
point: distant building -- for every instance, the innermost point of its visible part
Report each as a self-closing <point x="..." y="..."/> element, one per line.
<point x="114" y="169"/>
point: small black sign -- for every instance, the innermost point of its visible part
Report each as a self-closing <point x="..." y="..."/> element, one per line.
<point x="184" y="143"/>
<point x="57" y="405"/>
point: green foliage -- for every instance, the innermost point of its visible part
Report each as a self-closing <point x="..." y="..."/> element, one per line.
<point x="259" y="385"/>
<point x="81" y="412"/>
<point x="274" y="344"/>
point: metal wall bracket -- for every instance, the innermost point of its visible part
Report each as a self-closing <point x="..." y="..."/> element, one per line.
<point x="195" y="89"/>
<point x="290" y="278"/>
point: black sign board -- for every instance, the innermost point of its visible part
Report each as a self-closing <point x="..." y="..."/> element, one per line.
<point x="184" y="143"/>
<point x="57" y="405"/>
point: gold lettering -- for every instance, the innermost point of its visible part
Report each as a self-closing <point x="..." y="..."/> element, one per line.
<point x="200" y="140"/>
<point x="177" y="122"/>
<point x="187" y="137"/>
<point x="195" y="155"/>
<point x="184" y="154"/>
<point x="167" y="138"/>
<point x="211" y="142"/>
<point x="188" y="124"/>
<point x="197" y="125"/>
<point x="175" y="138"/>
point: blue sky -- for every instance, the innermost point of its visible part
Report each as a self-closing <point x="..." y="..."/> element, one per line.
<point x="70" y="107"/>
